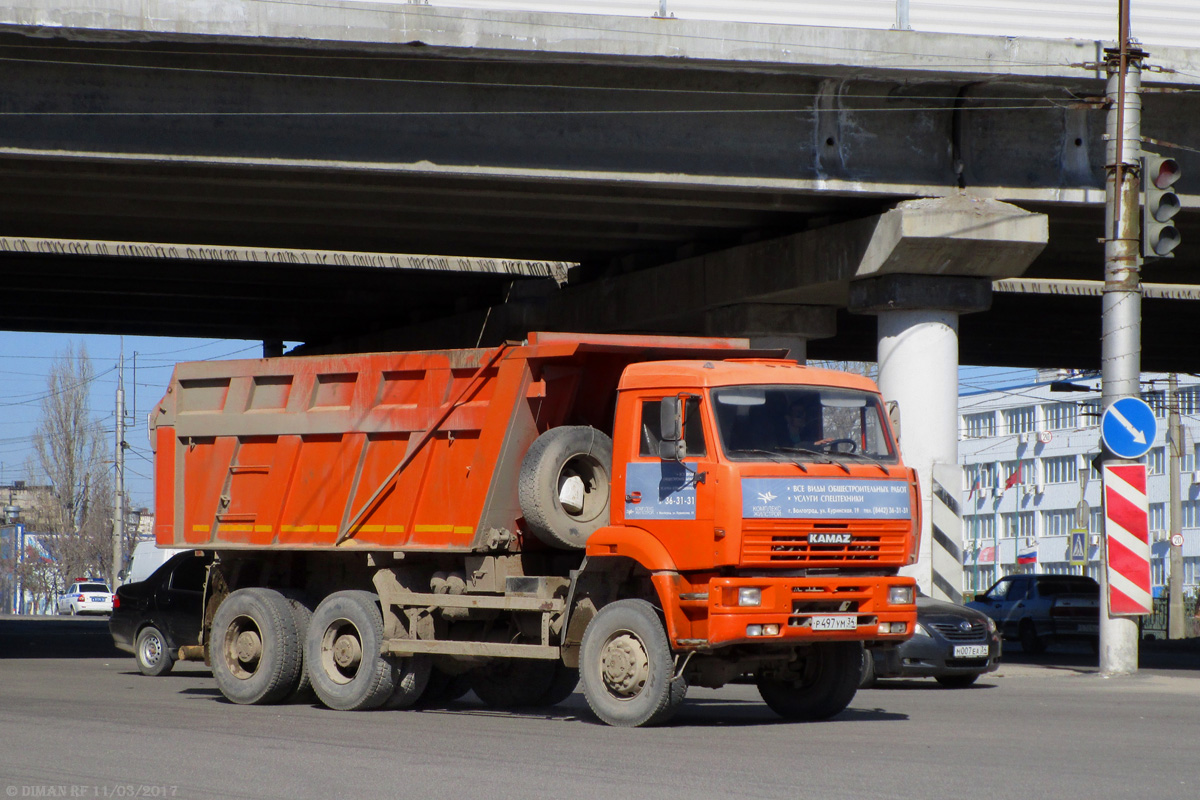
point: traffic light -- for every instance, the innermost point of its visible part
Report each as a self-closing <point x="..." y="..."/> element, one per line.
<point x="1160" y="204"/>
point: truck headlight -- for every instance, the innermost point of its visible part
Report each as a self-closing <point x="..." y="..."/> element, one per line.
<point x="749" y="596"/>
<point x="900" y="595"/>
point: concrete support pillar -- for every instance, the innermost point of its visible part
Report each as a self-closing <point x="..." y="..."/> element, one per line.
<point x="918" y="368"/>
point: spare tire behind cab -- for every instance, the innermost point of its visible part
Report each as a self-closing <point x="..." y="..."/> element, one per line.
<point x="565" y="485"/>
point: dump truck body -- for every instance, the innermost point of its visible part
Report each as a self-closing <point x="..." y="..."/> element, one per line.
<point x="502" y="509"/>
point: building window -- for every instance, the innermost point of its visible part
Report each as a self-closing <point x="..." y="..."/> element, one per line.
<point x="1158" y="516"/>
<point x="1018" y="420"/>
<point x="1188" y="400"/>
<point x="1060" y="469"/>
<point x="980" y="527"/>
<point x="1157" y="402"/>
<point x="981" y="476"/>
<point x="1060" y="416"/>
<point x="1189" y="514"/>
<point x="1016" y="524"/>
<point x="1097" y="520"/>
<point x="979" y="426"/>
<point x="1156" y="461"/>
<point x="1187" y="461"/>
<point x="1017" y="473"/>
<point x="1057" y="523"/>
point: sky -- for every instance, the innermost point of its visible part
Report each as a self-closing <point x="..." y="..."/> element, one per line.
<point x="25" y="361"/>
<point x="26" y="358"/>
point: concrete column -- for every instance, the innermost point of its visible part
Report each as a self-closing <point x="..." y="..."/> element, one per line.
<point x="918" y="368"/>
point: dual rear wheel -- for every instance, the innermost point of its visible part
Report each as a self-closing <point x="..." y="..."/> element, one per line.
<point x="266" y="648"/>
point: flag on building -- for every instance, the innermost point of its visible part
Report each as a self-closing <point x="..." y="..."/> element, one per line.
<point x="977" y="487"/>
<point x="1027" y="553"/>
<point x="1013" y="479"/>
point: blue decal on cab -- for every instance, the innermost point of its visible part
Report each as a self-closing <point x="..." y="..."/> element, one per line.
<point x="824" y="498"/>
<point x="659" y="490"/>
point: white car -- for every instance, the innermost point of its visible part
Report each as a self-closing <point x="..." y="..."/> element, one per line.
<point x="86" y="597"/>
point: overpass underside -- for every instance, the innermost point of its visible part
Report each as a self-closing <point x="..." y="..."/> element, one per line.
<point x="514" y="145"/>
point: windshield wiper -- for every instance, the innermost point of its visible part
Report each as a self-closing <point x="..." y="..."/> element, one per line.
<point x="866" y="457"/>
<point x="777" y="457"/>
<point x="822" y="457"/>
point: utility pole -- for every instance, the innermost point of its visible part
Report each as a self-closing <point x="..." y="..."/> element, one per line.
<point x="1175" y="624"/>
<point x="1121" y="315"/>
<point x="118" y="544"/>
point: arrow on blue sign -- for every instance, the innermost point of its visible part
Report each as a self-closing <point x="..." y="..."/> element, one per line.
<point x="1128" y="427"/>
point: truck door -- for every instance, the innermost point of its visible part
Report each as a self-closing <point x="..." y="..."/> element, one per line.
<point x="669" y="497"/>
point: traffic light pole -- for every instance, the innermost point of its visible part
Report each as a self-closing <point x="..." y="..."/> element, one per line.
<point x="1175" y="627"/>
<point x="1121" y="315"/>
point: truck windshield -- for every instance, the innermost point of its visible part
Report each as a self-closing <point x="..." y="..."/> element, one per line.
<point x="826" y="422"/>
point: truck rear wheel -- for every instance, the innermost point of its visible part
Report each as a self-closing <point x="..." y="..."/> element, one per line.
<point x="255" y="651"/>
<point x="301" y="616"/>
<point x="412" y="679"/>
<point x="819" y="686"/>
<point x="343" y="653"/>
<point x="565" y="485"/>
<point x="626" y="668"/>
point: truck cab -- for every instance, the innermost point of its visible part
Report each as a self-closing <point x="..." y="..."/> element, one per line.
<point x="757" y="491"/>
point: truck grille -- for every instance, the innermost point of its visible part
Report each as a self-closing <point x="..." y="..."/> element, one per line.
<point x="785" y="543"/>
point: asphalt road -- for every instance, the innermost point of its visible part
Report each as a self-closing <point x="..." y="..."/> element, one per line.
<point x="90" y="725"/>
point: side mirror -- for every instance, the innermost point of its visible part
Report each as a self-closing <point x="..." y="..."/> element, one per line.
<point x="671" y="446"/>
<point x="893" y="410"/>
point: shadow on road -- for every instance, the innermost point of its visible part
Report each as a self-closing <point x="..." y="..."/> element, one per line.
<point x="1179" y="654"/>
<point x="56" y="637"/>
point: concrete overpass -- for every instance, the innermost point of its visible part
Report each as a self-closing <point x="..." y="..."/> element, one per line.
<point x="618" y="143"/>
<point x="286" y="171"/>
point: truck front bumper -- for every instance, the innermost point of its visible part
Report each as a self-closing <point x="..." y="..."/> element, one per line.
<point x="801" y="609"/>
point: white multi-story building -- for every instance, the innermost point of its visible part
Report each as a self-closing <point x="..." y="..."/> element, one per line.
<point x="1030" y="480"/>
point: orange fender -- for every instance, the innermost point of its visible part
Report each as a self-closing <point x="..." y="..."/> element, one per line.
<point x="633" y="543"/>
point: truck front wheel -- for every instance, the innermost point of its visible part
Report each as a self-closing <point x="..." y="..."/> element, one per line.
<point x="343" y="655"/>
<point x="626" y="668"/>
<point x="255" y="650"/>
<point x="820" y="685"/>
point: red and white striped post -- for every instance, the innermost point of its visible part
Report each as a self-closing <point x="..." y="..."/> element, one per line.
<point x="1127" y="537"/>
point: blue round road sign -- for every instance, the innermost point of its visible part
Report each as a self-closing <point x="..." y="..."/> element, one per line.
<point x="1128" y="427"/>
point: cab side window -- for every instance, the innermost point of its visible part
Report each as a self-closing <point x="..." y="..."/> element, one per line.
<point x="693" y="429"/>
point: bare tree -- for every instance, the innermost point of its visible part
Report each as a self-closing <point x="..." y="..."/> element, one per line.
<point x="72" y="455"/>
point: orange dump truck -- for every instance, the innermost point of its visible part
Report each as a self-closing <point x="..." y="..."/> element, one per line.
<point x="635" y="514"/>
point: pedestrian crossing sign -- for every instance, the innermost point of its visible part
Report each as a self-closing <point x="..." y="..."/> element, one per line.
<point x="1078" y="555"/>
